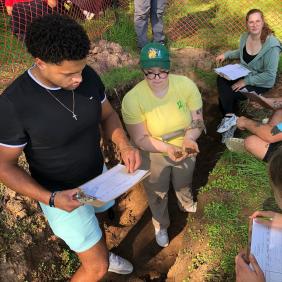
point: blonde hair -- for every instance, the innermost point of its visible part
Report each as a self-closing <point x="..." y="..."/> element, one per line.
<point x="266" y="30"/>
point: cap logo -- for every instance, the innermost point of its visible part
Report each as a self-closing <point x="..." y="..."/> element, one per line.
<point x="153" y="53"/>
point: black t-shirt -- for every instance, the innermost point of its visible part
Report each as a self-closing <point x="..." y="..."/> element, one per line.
<point x="246" y="56"/>
<point x="62" y="152"/>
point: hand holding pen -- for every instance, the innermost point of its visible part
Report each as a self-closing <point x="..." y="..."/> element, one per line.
<point x="268" y="218"/>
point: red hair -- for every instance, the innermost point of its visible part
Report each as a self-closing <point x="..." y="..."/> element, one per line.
<point x="266" y="30"/>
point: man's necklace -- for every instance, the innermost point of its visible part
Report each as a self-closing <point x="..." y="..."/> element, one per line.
<point x="63" y="105"/>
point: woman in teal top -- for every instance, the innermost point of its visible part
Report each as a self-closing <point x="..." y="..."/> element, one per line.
<point x="259" y="52"/>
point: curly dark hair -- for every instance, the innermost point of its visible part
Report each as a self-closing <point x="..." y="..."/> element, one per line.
<point x="55" y="38"/>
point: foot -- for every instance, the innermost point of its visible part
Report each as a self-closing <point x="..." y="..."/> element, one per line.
<point x="119" y="265"/>
<point x="227" y="122"/>
<point x="162" y="237"/>
<point x="192" y="208"/>
<point x="228" y="134"/>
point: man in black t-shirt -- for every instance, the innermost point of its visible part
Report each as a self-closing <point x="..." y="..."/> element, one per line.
<point x="53" y="112"/>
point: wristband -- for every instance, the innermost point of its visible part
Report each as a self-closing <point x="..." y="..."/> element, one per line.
<point x="52" y="200"/>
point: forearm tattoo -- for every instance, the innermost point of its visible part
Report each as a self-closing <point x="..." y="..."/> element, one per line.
<point x="277" y="104"/>
<point x="198" y="123"/>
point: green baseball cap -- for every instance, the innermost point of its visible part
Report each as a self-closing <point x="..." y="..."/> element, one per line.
<point x="154" y="55"/>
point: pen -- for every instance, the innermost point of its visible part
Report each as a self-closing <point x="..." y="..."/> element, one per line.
<point x="265" y="218"/>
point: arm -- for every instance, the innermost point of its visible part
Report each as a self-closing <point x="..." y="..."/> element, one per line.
<point x="20" y="181"/>
<point x="195" y="130"/>
<point x="143" y="140"/>
<point x="52" y="3"/>
<point x="113" y="130"/>
<point x="263" y="131"/>
<point x="243" y="271"/>
<point x="235" y="54"/>
<point x="9" y="6"/>
<point x="9" y="10"/>
<point x="276" y="103"/>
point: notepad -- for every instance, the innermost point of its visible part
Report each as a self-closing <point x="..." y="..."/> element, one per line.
<point x="266" y="246"/>
<point x="110" y="185"/>
<point x="232" y="71"/>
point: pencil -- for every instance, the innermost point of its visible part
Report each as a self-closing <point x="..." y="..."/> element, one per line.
<point x="265" y="218"/>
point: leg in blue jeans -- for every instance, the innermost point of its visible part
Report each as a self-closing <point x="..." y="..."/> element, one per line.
<point x="141" y="19"/>
<point x="157" y="12"/>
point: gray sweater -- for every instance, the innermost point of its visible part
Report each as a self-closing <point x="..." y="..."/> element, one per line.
<point x="264" y="66"/>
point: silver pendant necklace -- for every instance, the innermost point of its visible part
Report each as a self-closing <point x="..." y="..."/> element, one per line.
<point x="63" y="105"/>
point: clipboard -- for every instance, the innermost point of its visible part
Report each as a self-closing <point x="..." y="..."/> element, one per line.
<point x="109" y="185"/>
<point x="232" y="71"/>
<point x="265" y="244"/>
<point x="250" y="230"/>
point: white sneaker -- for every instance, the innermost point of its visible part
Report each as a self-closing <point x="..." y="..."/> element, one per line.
<point x="228" y="134"/>
<point x="119" y="265"/>
<point x="162" y="237"/>
<point x="227" y="122"/>
<point x="192" y="208"/>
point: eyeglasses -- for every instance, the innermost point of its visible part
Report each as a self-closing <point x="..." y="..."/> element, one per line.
<point x="152" y="75"/>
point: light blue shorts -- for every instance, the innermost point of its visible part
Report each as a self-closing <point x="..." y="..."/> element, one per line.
<point x="80" y="228"/>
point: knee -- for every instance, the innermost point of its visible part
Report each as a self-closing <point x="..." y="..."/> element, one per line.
<point x="250" y="143"/>
<point x="142" y="13"/>
<point x="96" y="272"/>
<point x="143" y="17"/>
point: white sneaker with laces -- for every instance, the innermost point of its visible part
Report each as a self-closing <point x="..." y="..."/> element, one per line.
<point x="119" y="265"/>
<point x="162" y="237"/>
<point x="227" y="122"/>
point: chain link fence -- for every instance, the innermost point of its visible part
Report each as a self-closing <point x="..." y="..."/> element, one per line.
<point x="217" y="23"/>
<point x="209" y="24"/>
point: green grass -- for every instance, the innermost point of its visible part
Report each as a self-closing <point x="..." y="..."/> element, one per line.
<point x="123" y="32"/>
<point x="97" y="27"/>
<point x="120" y="76"/>
<point x="238" y="185"/>
<point x="209" y="77"/>
<point x="224" y="21"/>
<point x="280" y="64"/>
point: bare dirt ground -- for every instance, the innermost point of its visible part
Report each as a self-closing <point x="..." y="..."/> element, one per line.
<point x="29" y="251"/>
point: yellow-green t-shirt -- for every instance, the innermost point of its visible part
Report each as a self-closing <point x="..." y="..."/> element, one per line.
<point x="163" y="115"/>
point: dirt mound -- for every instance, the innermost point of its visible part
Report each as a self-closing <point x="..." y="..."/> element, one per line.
<point x="105" y="55"/>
